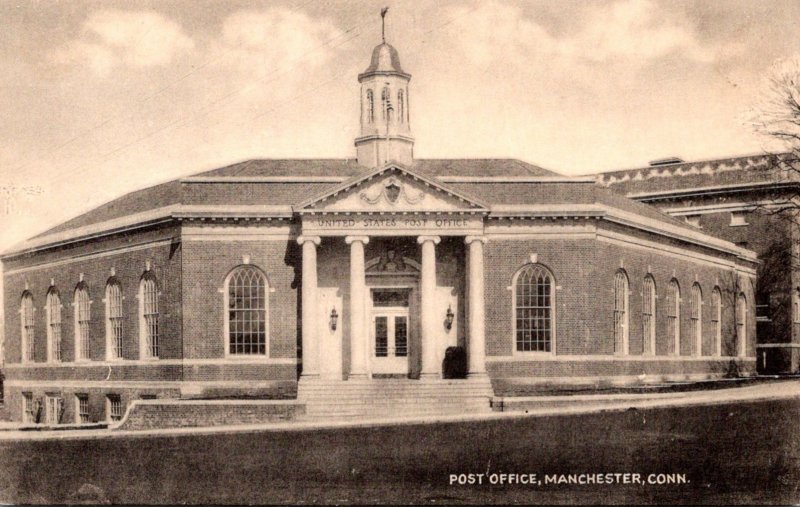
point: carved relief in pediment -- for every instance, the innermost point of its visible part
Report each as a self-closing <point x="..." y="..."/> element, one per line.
<point x="393" y="191"/>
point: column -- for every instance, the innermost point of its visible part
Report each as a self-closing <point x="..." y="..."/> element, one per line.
<point x="475" y="313"/>
<point x="428" y="318"/>
<point x="310" y="322"/>
<point x="358" y="295"/>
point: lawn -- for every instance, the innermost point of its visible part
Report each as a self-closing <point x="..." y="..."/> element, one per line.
<point x="742" y="453"/>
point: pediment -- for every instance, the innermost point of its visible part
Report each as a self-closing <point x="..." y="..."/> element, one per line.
<point x="392" y="189"/>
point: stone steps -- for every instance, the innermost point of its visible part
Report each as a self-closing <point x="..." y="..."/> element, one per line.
<point x="393" y="397"/>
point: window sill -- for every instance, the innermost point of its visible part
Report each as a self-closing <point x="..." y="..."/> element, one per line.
<point x="245" y="357"/>
<point x="531" y="354"/>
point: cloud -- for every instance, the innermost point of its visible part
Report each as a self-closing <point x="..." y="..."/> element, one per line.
<point x="260" y="43"/>
<point x="133" y="38"/>
<point x="635" y="31"/>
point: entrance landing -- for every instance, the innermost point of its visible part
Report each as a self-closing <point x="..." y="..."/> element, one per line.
<point x="392" y="397"/>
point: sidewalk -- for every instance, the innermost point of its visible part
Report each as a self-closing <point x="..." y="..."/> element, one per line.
<point x="578" y="404"/>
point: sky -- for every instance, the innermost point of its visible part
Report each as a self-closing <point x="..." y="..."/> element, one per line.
<point x="102" y="98"/>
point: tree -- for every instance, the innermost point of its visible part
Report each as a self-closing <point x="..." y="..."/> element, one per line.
<point x="777" y="118"/>
<point x="777" y="115"/>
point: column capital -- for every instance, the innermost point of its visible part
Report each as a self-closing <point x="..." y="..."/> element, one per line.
<point x="314" y="239"/>
<point x="470" y="239"/>
<point x="423" y="239"/>
<point x="350" y="239"/>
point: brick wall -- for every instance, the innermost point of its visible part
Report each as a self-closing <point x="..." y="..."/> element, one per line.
<point x="97" y="399"/>
<point x="584" y="272"/>
<point x="37" y="271"/>
<point x="206" y="264"/>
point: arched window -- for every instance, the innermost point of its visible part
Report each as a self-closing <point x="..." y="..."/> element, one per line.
<point x="621" y="313"/>
<point x="674" y="315"/>
<point x="649" y="316"/>
<point x="148" y="316"/>
<point x="370" y="107"/>
<point x="246" y="304"/>
<point x="386" y="105"/>
<point x="27" y="321"/>
<point x="53" y="325"/>
<point x="533" y="307"/>
<point x="716" y="319"/>
<point x="113" y="319"/>
<point x="401" y="106"/>
<point x="741" y="324"/>
<point x="697" y="319"/>
<point x="82" y="320"/>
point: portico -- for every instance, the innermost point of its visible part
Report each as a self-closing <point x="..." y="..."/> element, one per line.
<point x="406" y="289"/>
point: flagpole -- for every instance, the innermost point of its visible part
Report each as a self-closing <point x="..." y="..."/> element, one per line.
<point x="385" y="102"/>
<point x="383" y="23"/>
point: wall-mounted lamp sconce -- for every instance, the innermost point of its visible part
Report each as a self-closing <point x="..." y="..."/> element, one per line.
<point x="448" y="318"/>
<point x="334" y="318"/>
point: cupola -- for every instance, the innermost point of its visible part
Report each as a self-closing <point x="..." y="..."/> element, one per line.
<point x="385" y="127"/>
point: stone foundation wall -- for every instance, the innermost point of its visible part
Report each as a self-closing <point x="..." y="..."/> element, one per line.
<point x="151" y="414"/>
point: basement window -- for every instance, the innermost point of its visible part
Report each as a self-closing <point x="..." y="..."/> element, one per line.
<point x="54" y="408"/>
<point x="28" y="408"/>
<point x="114" y="407"/>
<point x="82" y="408"/>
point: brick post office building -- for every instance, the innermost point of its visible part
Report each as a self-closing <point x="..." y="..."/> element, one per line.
<point x="297" y="278"/>
<point x="750" y="201"/>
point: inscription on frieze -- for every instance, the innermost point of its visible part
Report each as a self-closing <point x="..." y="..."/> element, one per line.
<point x="402" y="222"/>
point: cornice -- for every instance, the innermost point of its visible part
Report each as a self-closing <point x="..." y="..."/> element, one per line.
<point x="176" y="212"/>
<point x="268" y="213"/>
<point x="711" y="190"/>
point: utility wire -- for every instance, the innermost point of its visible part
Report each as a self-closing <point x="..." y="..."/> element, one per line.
<point x="57" y="147"/>
<point x="209" y="107"/>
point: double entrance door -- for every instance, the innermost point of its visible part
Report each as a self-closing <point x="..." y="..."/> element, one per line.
<point x="390" y="330"/>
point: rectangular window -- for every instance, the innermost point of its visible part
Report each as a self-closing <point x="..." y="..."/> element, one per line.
<point x="82" y="320"/>
<point x="762" y="307"/>
<point x="27" y="327"/>
<point x="114" y="324"/>
<point x="401" y="336"/>
<point x="648" y="316"/>
<point x="114" y="407"/>
<point x="796" y="307"/>
<point x="28" y="409"/>
<point x="82" y="408"/>
<point x="54" y="408"/>
<point x="83" y="333"/>
<point x="390" y="297"/>
<point x="674" y="316"/>
<point x="738" y="218"/>
<point x="54" y="324"/>
<point x="696" y="318"/>
<point x="149" y="305"/>
<point x="381" y="336"/>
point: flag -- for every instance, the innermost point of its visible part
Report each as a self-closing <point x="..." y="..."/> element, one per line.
<point x="384" y="11"/>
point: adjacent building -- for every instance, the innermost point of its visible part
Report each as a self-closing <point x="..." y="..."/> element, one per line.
<point x="752" y="202"/>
